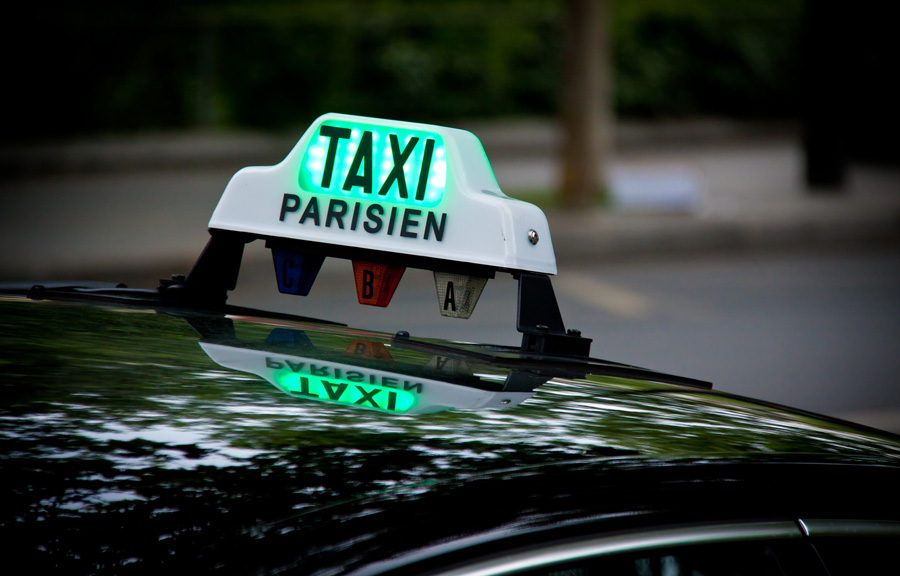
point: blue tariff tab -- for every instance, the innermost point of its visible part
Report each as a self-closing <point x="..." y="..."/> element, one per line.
<point x="289" y="337"/>
<point x="296" y="272"/>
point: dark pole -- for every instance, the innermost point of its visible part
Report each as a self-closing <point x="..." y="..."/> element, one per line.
<point x="823" y="99"/>
<point x="586" y="102"/>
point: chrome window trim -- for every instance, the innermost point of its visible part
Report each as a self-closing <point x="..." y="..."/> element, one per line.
<point x="626" y="542"/>
<point x="865" y="528"/>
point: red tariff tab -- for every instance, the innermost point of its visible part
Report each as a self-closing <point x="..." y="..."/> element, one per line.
<point x="368" y="349"/>
<point x="376" y="283"/>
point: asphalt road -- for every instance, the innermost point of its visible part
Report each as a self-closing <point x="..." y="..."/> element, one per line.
<point x="819" y="331"/>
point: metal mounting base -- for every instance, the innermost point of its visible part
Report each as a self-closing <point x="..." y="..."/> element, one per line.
<point x="541" y="323"/>
<point x="216" y="272"/>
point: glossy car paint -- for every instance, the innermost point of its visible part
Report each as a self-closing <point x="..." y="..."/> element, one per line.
<point x="127" y="448"/>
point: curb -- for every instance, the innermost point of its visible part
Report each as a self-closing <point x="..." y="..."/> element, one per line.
<point x="611" y="237"/>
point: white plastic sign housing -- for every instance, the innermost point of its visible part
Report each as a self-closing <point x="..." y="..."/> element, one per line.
<point x="396" y="187"/>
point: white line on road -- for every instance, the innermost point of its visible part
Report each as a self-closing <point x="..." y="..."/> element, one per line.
<point x="604" y="296"/>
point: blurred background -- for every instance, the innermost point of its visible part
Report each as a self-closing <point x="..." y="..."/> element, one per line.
<point x="148" y="66"/>
<point x="722" y="178"/>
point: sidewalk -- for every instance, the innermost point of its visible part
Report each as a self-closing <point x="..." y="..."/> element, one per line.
<point x="82" y="209"/>
<point x="700" y="186"/>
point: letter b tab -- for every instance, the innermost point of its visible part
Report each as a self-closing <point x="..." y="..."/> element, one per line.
<point x="376" y="283"/>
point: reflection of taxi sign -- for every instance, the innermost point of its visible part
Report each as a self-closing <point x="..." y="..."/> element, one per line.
<point x="357" y="386"/>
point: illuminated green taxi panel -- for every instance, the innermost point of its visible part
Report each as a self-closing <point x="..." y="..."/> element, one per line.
<point x="365" y="161"/>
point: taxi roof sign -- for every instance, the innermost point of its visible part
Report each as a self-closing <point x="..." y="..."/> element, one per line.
<point x="399" y="188"/>
<point x="386" y="195"/>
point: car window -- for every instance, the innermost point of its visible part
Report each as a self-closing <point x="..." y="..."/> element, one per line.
<point x="772" y="558"/>
<point x="854" y="555"/>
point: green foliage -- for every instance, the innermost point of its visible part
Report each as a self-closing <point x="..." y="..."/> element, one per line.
<point x="170" y="65"/>
<point x="707" y="57"/>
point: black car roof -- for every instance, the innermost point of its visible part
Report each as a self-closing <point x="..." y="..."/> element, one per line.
<point x="133" y="411"/>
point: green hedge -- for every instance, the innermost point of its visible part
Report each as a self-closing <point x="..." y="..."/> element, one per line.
<point x="120" y="66"/>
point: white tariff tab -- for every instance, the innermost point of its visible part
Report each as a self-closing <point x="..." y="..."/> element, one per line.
<point x="457" y="294"/>
<point x="450" y="367"/>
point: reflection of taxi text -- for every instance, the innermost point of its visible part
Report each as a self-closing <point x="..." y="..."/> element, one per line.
<point x="317" y="381"/>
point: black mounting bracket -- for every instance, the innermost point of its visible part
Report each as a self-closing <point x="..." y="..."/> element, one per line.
<point x="214" y="273"/>
<point x="541" y="323"/>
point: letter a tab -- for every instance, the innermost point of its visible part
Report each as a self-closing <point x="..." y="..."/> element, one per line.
<point x="457" y="294"/>
<point x="376" y="283"/>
